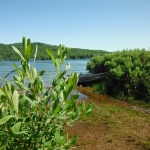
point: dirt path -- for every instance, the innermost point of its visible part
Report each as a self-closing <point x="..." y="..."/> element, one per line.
<point x="111" y="131"/>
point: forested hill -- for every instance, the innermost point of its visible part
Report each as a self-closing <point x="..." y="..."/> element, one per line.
<point x="7" y="53"/>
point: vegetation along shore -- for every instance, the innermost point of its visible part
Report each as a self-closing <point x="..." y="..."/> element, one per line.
<point x="121" y="118"/>
<point x="115" y="116"/>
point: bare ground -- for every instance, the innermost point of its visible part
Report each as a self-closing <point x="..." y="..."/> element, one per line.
<point x="113" y="125"/>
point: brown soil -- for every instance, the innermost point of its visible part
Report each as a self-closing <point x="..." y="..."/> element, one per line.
<point x="102" y="136"/>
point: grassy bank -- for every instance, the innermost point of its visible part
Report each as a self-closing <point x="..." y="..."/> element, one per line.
<point x="114" y="125"/>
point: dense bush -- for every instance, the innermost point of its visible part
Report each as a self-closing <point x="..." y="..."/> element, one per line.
<point x="33" y="117"/>
<point x="129" y="73"/>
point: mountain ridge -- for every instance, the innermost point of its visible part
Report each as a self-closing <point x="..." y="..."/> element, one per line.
<point x="7" y="53"/>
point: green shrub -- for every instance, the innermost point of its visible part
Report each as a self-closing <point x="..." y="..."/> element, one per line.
<point x="34" y="117"/>
<point x="99" y="87"/>
<point x="129" y="73"/>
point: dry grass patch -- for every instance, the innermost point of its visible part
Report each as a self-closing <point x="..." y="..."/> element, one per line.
<point x="112" y="125"/>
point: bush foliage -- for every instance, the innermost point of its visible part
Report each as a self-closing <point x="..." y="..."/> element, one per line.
<point x="129" y="73"/>
<point x="33" y="117"/>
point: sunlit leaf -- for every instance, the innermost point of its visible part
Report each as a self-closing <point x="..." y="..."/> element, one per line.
<point x="51" y="54"/>
<point x="34" y="73"/>
<point x="24" y="43"/>
<point x="17" y="69"/>
<point x="68" y="66"/>
<point x="5" y="119"/>
<point x="60" y="52"/>
<point x="29" y="100"/>
<point x="28" y="52"/>
<point x="16" y="128"/>
<point x="15" y="97"/>
<point x="57" y="135"/>
<point x="18" y="52"/>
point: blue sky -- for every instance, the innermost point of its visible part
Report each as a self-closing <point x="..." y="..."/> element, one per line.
<point x="93" y="24"/>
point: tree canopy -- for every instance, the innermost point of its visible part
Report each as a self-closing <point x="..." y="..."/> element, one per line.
<point x="6" y="52"/>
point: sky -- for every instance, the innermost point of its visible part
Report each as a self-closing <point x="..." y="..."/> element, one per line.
<point x="109" y="25"/>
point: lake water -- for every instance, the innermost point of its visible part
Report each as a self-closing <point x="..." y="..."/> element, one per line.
<point x="76" y="66"/>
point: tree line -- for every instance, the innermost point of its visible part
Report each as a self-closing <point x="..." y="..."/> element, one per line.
<point x="6" y="52"/>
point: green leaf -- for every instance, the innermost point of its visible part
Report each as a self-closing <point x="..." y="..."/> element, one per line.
<point x="1" y="113"/>
<point x="29" y="100"/>
<point x="56" y="102"/>
<point x="18" y="52"/>
<point x="16" y="128"/>
<point x="17" y="69"/>
<point x="20" y="85"/>
<point x="68" y="91"/>
<point x="28" y="52"/>
<point x="88" y="110"/>
<point x="60" y="76"/>
<point x="17" y="78"/>
<point x="5" y="119"/>
<point x="68" y="66"/>
<point x="35" y="53"/>
<point x="1" y="92"/>
<point x="57" y="135"/>
<point x="28" y="42"/>
<point x="15" y="97"/>
<point x="24" y="42"/>
<point x="34" y="73"/>
<point x="48" y="144"/>
<point x="42" y="72"/>
<point x="51" y="54"/>
<point x="70" y="104"/>
<point x="60" y="52"/>
<point x="72" y="80"/>
<point x="73" y="140"/>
